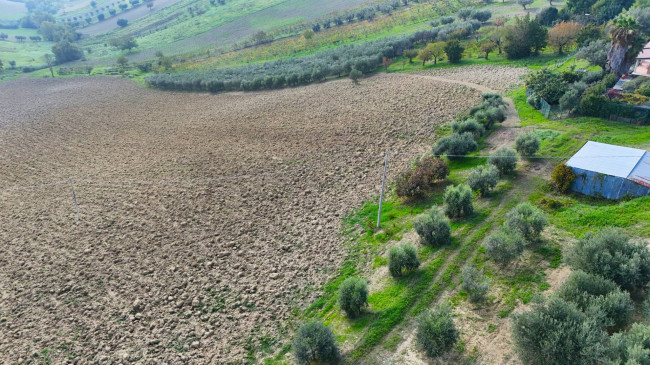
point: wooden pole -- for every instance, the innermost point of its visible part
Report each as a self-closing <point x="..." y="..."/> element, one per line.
<point x="381" y="196"/>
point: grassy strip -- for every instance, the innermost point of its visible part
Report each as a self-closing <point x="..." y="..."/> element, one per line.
<point x="387" y="319"/>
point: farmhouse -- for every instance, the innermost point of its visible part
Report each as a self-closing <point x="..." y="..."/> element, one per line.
<point x="610" y="171"/>
<point x="642" y="66"/>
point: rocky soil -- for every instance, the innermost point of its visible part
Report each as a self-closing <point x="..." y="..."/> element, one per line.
<point x="498" y="78"/>
<point x="204" y="220"/>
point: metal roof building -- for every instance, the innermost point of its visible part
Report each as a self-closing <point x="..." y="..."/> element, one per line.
<point x="610" y="171"/>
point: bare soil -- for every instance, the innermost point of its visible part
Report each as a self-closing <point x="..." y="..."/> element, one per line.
<point x="204" y="220"/>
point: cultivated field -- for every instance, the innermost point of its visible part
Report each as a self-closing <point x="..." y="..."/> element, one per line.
<point x="204" y="219"/>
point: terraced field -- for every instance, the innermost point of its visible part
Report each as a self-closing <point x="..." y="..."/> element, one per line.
<point x="203" y="220"/>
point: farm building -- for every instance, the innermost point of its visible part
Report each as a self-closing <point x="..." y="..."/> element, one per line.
<point x="642" y="65"/>
<point x="610" y="171"/>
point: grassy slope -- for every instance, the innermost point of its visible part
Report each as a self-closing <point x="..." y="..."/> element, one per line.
<point x="397" y="300"/>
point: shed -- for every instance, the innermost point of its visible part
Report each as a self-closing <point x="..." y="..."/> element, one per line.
<point x="610" y="171"/>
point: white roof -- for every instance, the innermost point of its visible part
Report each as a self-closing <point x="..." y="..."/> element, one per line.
<point x="607" y="159"/>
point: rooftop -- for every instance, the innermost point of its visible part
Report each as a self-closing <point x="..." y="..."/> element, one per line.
<point x="607" y="159"/>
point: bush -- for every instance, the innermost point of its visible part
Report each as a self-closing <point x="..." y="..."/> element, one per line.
<point x="469" y="125"/>
<point x="487" y="114"/>
<point x="562" y="177"/>
<point x="436" y="333"/>
<point x="353" y="295"/>
<point x="314" y="342"/>
<point x="590" y="77"/>
<point x="417" y="181"/>
<point x="456" y="145"/>
<point x="458" y="201"/>
<point x="447" y="19"/>
<point x="504" y="246"/>
<point x="526" y="219"/>
<point x="474" y="283"/>
<point x="547" y="84"/>
<point x="433" y="228"/>
<point x="570" y="100"/>
<point x="454" y="51"/>
<point x="557" y="332"/>
<point x="355" y="75"/>
<point x="504" y="159"/>
<point x="598" y="297"/>
<point x="401" y="258"/>
<point x="527" y="144"/>
<point x="65" y="51"/>
<point x="482" y="179"/>
<point x="610" y="254"/>
<point x="547" y="16"/>
<point x="122" y="22"/>
<point x="535" y="101"/>
<point x="632" y="346"/>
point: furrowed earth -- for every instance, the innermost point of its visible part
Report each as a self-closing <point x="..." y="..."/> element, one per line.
<point x="204" y="220"/>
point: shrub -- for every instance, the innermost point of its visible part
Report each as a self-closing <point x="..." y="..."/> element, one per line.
<point x="469" y="125"/>
<point x="458" y="201"/>
<point x="355" y="75"/>
<point x="454" y="51"/>
<point x="632" y="346"/>
<point x="526" y="219"/>
<point x="557" y="332"/>
<point x="590" y="77"/>
<point x="456" y="145"/>
<point x="122" y="22"/>
<point x="504" y="159"/>
<point x="396" y="261"/>
<point x="433" y="228"/>
<point x="417" y="181"/>
<point x="570" y="100"/>
<point x="482" y="15"/>
<point x="535" y="101"/>
<point x="447" y="19"/>
<point x="314" y="342"/>
<point x="610" y="254"/>
<point x="598" y="297"/>
<point x="487" y="114"/>
<point x="504" y="246"/>
<point x="474" y="283"/>
<point x="353" y="295"/>
<point x="482" y="179"/>
<point x="562" y="176"/>
<point x="547" y="16"/>
<point x="436" y="333"/>
<point x="527" y="144"/>
<point x="547" y="84"/>
<point x="493" y="99"/>
<point x="401" y="258"/>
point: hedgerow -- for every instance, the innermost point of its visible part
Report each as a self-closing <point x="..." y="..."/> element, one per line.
<point x="339" y="61"/>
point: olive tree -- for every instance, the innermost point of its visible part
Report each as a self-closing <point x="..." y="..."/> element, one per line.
<point x="504" y="159"/>
<point x="611" y="254"/>
<point x="504" y="246"/>
<point x="526" y="219"/>
<point x="557" y="332"/>
<point x="433" y="228"/>
<point x="458" y="201"/>
<point x="474" y="283"/>
<point x="402" y="258"/>
<point x="436" y="332"/>
<point x="527" y="144"/>
<point x="482" y="179"/>
<point x="314" y="342"/>
<point x="353" y="295"/>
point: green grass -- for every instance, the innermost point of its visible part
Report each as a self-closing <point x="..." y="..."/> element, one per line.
<point x="11" y="10"/>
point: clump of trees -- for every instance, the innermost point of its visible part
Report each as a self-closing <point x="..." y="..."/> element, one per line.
<point x="353" y="296"/>
<point x="415" y="182"/>
<point x="64" y="51"/>
<point x="402" y="259"/>
<point x="314" y="342"/>
<point x="433" y="227"/>
<point x="524" y="38"/>
<point x="612" y="255"/>
<point x="436" y="332"/>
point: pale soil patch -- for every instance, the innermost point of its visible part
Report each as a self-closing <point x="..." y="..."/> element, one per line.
<point x="161" y="268"/>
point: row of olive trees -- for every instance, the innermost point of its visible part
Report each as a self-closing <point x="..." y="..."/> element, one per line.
<point x="339" y="61"/>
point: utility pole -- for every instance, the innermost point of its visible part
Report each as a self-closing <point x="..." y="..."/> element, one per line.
<point x="383" y="184"/>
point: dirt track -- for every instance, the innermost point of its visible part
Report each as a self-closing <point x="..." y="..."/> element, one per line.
<point x="165" y="271"/>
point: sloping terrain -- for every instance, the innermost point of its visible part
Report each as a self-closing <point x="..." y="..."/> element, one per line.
<point x="203" y="219"/>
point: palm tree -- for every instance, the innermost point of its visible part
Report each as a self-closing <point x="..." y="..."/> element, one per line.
<point x="626" y="43"/>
